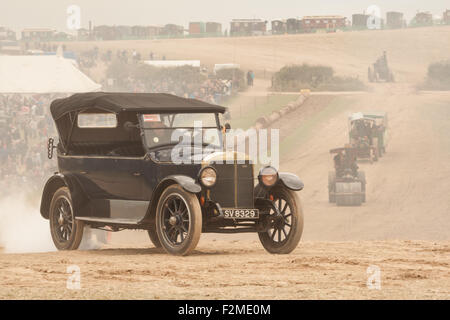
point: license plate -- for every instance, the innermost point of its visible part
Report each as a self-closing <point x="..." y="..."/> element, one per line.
<point x="241" y="213"/>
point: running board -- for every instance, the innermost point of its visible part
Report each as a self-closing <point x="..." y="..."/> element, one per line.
<point x="110" y="220"/>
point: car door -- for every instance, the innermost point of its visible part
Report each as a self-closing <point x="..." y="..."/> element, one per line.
<point x="114" y="177"/>
<point x="103" y="177"/>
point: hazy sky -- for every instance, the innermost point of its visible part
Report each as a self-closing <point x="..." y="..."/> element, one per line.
<point x="18" y="14"/>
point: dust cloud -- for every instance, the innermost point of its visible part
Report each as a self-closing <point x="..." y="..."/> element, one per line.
<point x="22" y="229"/>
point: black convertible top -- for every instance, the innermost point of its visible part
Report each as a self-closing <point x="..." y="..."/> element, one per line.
<point x="137" y="102"/>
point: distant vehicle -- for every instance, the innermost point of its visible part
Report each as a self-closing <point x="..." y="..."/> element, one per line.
<point x="116" y="171"/>
<point x="380" y="70"/>
<point x="379" y="129"/>
<point x="362" y="137"/>
<point x="346" y="185"/>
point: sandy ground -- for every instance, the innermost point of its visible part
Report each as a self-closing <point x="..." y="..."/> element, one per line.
<point x="402" y="229"/>
<point x="235" y="270"/>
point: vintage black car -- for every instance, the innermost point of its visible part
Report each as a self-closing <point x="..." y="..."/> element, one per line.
<point x="116" y="172"/>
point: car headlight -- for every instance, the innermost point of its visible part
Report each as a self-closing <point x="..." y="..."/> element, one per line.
<point x="268" y="176"/>
<point x="208" y="177"/>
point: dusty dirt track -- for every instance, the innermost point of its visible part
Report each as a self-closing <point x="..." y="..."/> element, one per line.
<point x="402" y="229"/>
<point x="235" y="270"/>
<point x="407" y="195"/>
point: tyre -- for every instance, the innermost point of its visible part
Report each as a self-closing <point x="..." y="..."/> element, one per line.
<point x="178" y="220"/>
<point x="66" y="231"/>
<point x="284" y="233"/>
<point x="153" y="235"/>
<point x="331" y="186"/>
<point x="362" y="178"/>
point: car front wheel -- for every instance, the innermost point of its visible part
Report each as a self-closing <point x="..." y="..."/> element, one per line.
<point x="285" y="230"/>
<point x="178" y="220"/>
<point x="66" y="232"/>
<point x="154" y="237"/>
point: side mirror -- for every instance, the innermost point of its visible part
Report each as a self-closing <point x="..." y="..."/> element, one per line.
<point x="227" y="127"/>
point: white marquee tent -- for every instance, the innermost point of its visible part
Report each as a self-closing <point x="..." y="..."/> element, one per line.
<point x="172" y="63"/>
<point x="222" y="66"/>
<point x="42" y="74"/>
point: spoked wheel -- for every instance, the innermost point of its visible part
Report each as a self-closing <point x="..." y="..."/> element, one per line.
<point x="178" y="220"/>
<point x="65" y="230"/>
<point x="285" y="230"/>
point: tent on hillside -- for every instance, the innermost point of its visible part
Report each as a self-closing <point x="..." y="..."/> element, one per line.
<point x="42" y="74"/>
<point x="173" y="63"/>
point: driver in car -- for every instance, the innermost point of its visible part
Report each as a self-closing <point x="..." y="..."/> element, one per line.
<point x="158" y="133"/>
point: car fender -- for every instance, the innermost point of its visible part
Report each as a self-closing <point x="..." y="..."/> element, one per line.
<point x="290" y="181"/>
<point x="285" y="180"/>
<point x="57" y="181"/>
<point x="187" y="183"/>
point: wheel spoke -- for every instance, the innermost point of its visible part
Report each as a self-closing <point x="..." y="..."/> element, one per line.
<point x="182" y="235"/>
<point x="279" y="235"/>
<point x="172" y="233"/>
<point x="182" y="205"/>
<point x="171" y="212"/>
<point x="273" y="234"/>
<point x="284" y="208"/>
<point x="284" y="231"/>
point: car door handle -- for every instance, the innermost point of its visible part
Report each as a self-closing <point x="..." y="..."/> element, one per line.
<point x="137" y="174"/>
<point x="83" y="172"/>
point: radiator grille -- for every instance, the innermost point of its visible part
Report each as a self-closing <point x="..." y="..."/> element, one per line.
<point x="234" y="187"/>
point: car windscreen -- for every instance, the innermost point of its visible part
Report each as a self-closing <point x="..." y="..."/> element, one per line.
<point x="181" y="128"/>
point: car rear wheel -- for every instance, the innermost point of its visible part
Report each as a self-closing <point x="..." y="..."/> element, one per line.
<point x="66" y="232"/>
<point x="285" y="231"/>
<point x="178" y="220"/>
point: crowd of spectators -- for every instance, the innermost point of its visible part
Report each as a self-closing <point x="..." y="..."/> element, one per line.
<point x="214" y="91"/>
<point x="25" y="125"/>
<point x="207" y="88"/>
